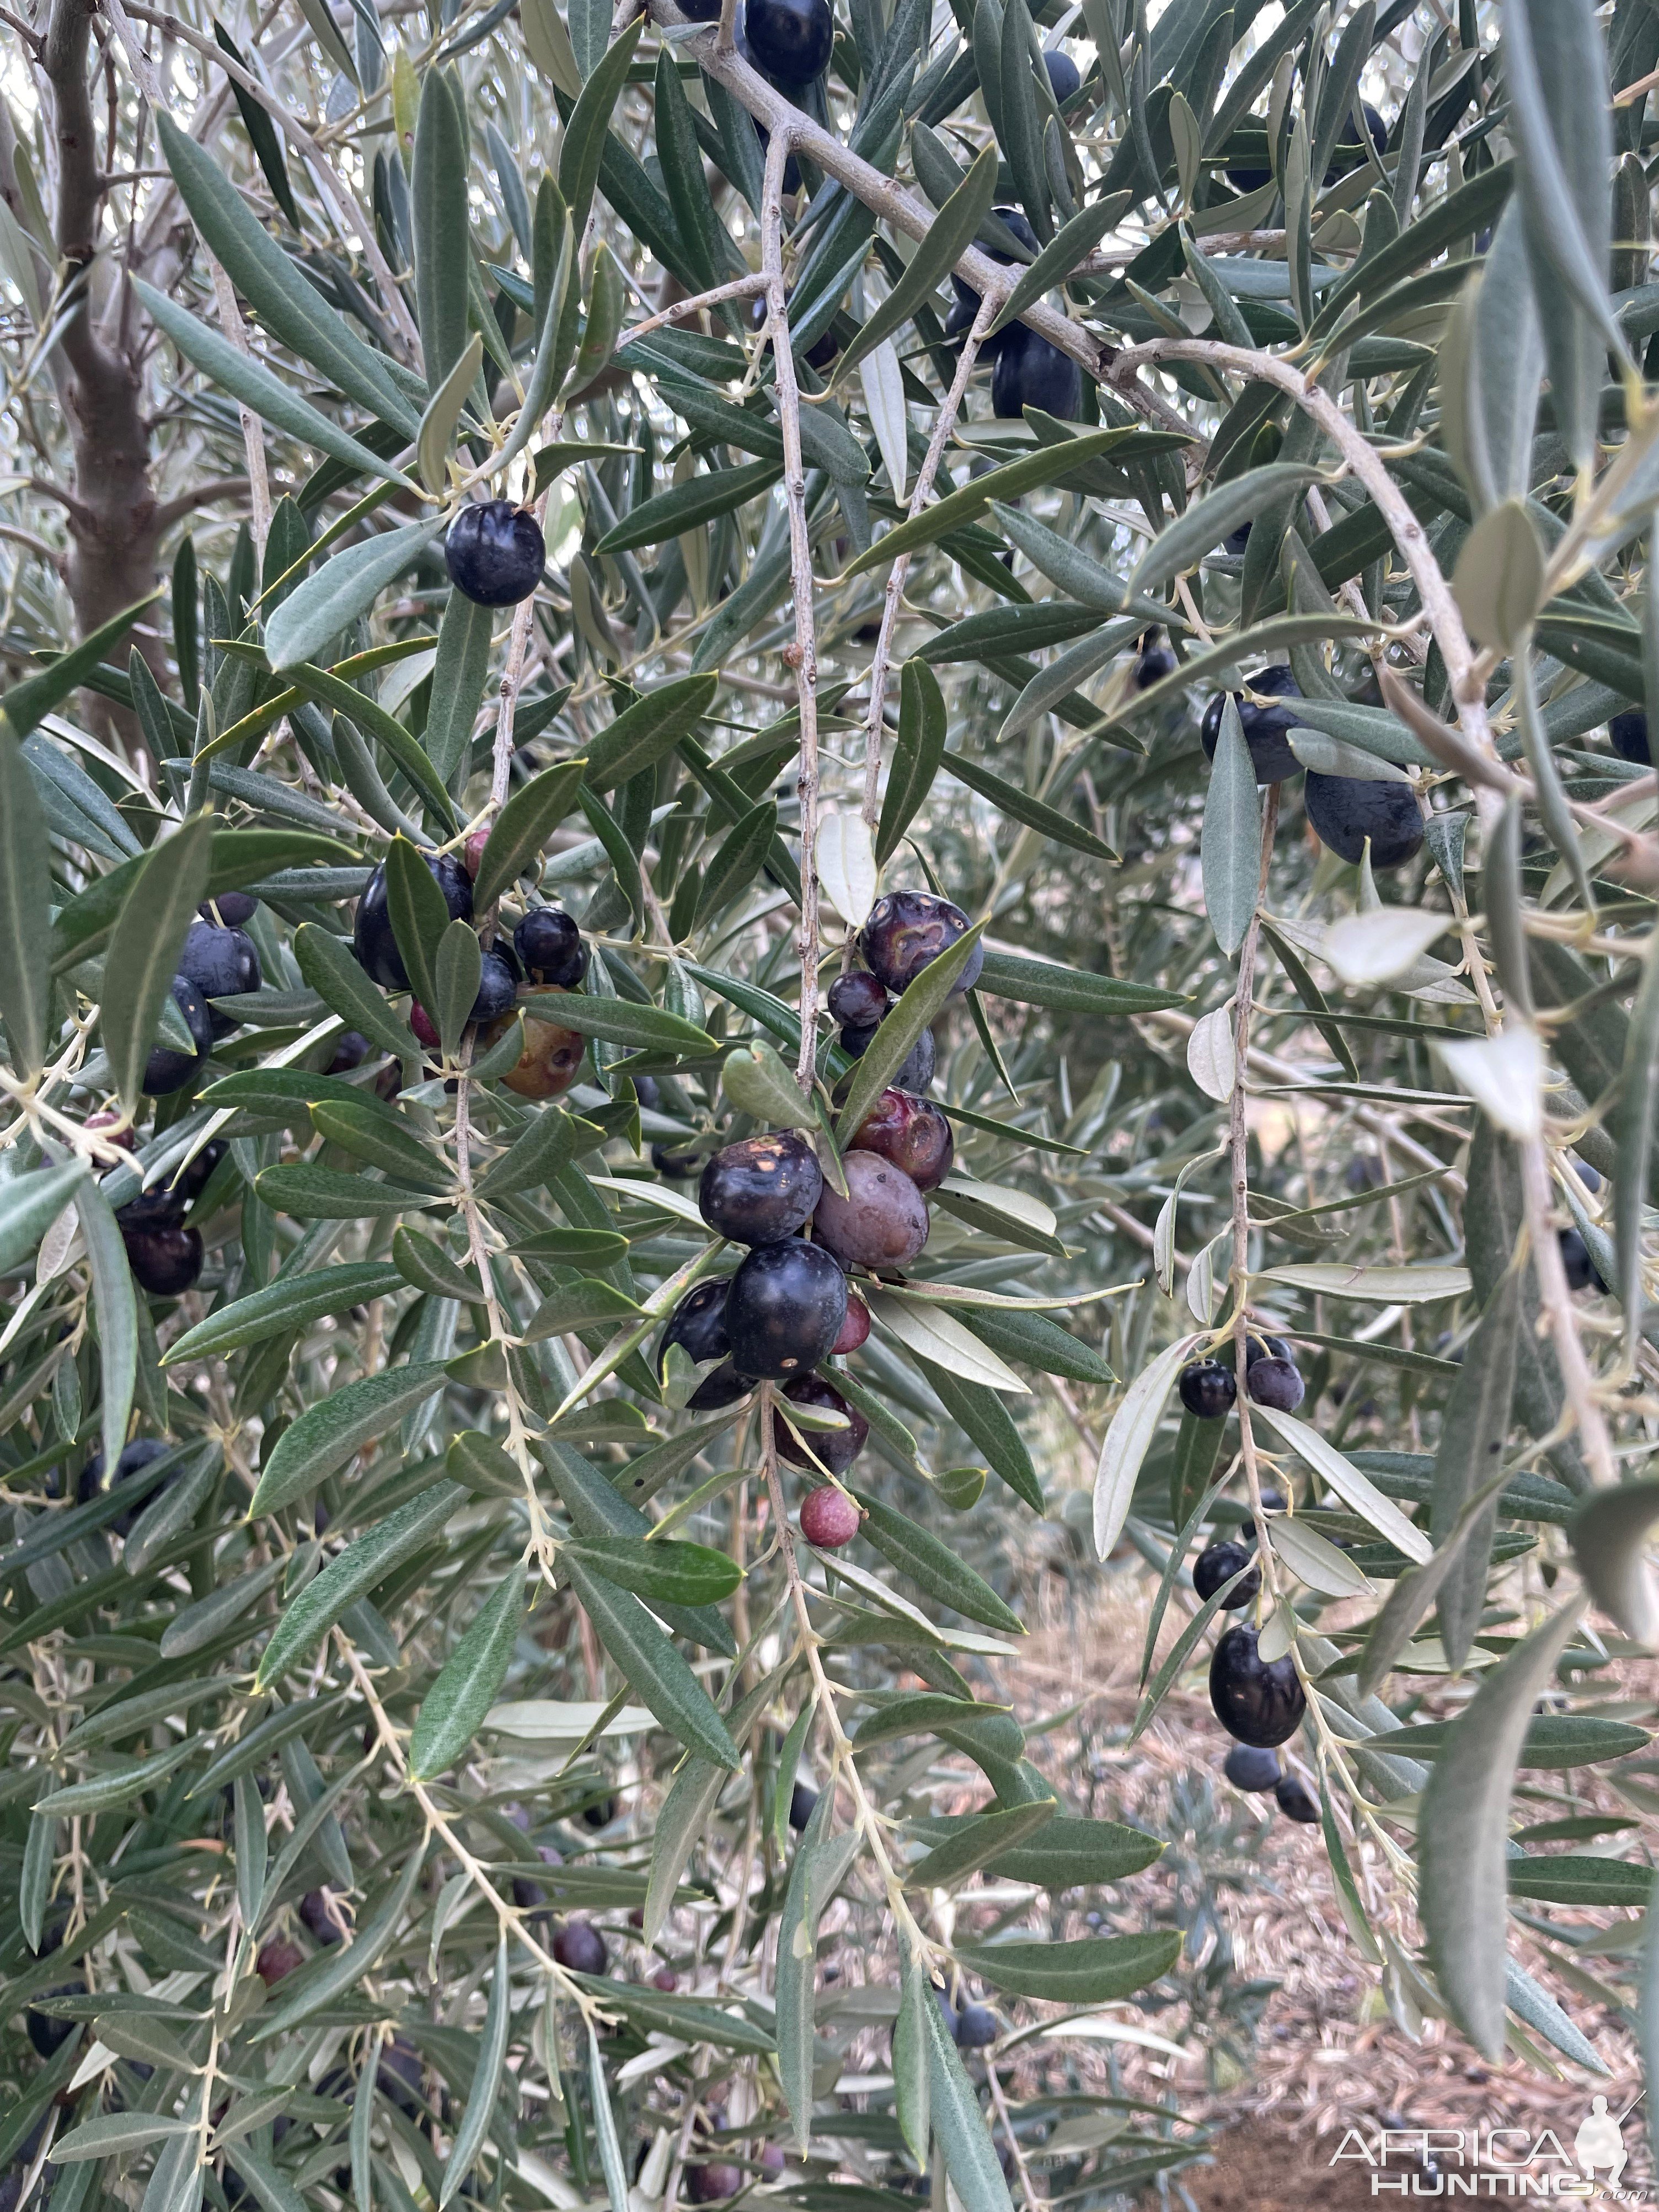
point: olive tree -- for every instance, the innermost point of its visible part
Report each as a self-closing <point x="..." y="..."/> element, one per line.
<point x="881" y="762"/>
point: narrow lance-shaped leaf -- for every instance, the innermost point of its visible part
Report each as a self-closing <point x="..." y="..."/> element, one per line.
<point x="486" y="2080"/>
<point x="149" y="934"/>
<point x="453" y="1709"/>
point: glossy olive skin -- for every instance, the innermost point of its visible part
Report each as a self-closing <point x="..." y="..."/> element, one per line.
<point x="371" y="932"/>
<point x="761" y="1189"/>
<point x="1029" y="372"/>
<point x="1628" y="732"/>
<point x="803" y="1800"/>
<point x="698" y="1324"/>
<point x="1580" y="1269"/>
<point x="1264" y="728"/>
<point x="835" y="1449"/>
<point x="579" y="1946"/>
<point x="550" y="1060"/>
<point x="855" y="1329"/>
<point x="1207" y="1389"/>
<point x="1247" y="1767"/>
<point x="1255" y="1703"/>
<point x="1295" y="1800"/>
<point x="166" y="1262"/>
<point x="199" y="1174"/>
<point x="881" y="1224"/>
<point x="912" y="1134"/>
<point x="906" y="930"/>
<point x="856" y="999"/>
<point x="221" y="963"/>
<point x="1345" y="810"/>
<point x="1216" y="1565"/>
<point x="916" y="1069"/>
<point x="791" y="40"/>
<point x="1064" y="76"/>
<point x="165" y="1070"/>
<point x="135" y="1457"/>
<point x="498" y="985"/>
<point x="550" y="946"/>
<point x="159" y="1207"/>
<point x="495" y="553"/>
<point x="1275" y="1383"/>
<point x="829" y="1518"/>
<point x="976" y="2027"/>
<point x="784" y="1309"/>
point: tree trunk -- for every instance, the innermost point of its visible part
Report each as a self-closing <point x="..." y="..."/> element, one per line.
<point x="113" y="523"/>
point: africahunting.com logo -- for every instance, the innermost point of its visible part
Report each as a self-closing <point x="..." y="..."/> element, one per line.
<point x="1500" y="2162"/>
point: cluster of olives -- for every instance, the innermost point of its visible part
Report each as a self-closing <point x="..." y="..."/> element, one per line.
<point x="220" y="960"/>
<point x="1256" y="1768"/>
<point x="1026" y="371"/>
<point x="546" y="951"/>
<point x="1209" y="1387"/>
<point x="788" y="1304"/>
<point x="1345" y="811"/>
<point x="495" y="553"/>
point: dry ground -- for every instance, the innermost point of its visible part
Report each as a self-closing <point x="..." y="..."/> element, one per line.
<point x="1329" y="2057"/>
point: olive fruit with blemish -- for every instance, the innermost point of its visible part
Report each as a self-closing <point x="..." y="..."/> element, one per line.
<point x="1207" y="1389"/>
<point x="1295" y="1800"/>
<point x="1276" y="1383"/>
<point x="550" y="1061"/>
<point x="1248" y="1767"/>
<point x="166" y="1070"/>
<point x="1628" y="732"/>
<point x="784" y="1308"/>
<point x="913" y="1133"/>
<point x="856" y="999"/>
<point x="495" y="553"/>
<point x="1264" y="728"/>
<point x="221" y="963"/>
<point x="1029" y="372"/>
<point x="1580" y="1269"/>
<point x="1064" y="76"/>
<point x="371" y="936"/>
<point x="166" y="1262"/>
<point x="881" y="1224"/>
<point x="1347" y="810"/>
<point x="835" y="1449"/>
<point x="133" y="1461"/>
<point x="550" y="946"/>
<point x="1257" y="1701"/>
<point x="976" y="2027"/>
<point x="1216" y="1565"/>
<point x="906" y="931"/>
<point x="790" y="40"/>
<point x="829" y="1518"/>
<point x="579" y="1946"/>
<point x="761" y="1189"/>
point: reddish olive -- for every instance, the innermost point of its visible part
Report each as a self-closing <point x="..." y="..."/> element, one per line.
<point x="855" y="1329"/>
<point x="829" y="1518"/>
<point x="550" y="1060"/>
<point x="912" y="1134"/>
<point x="881" y="1224"/>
